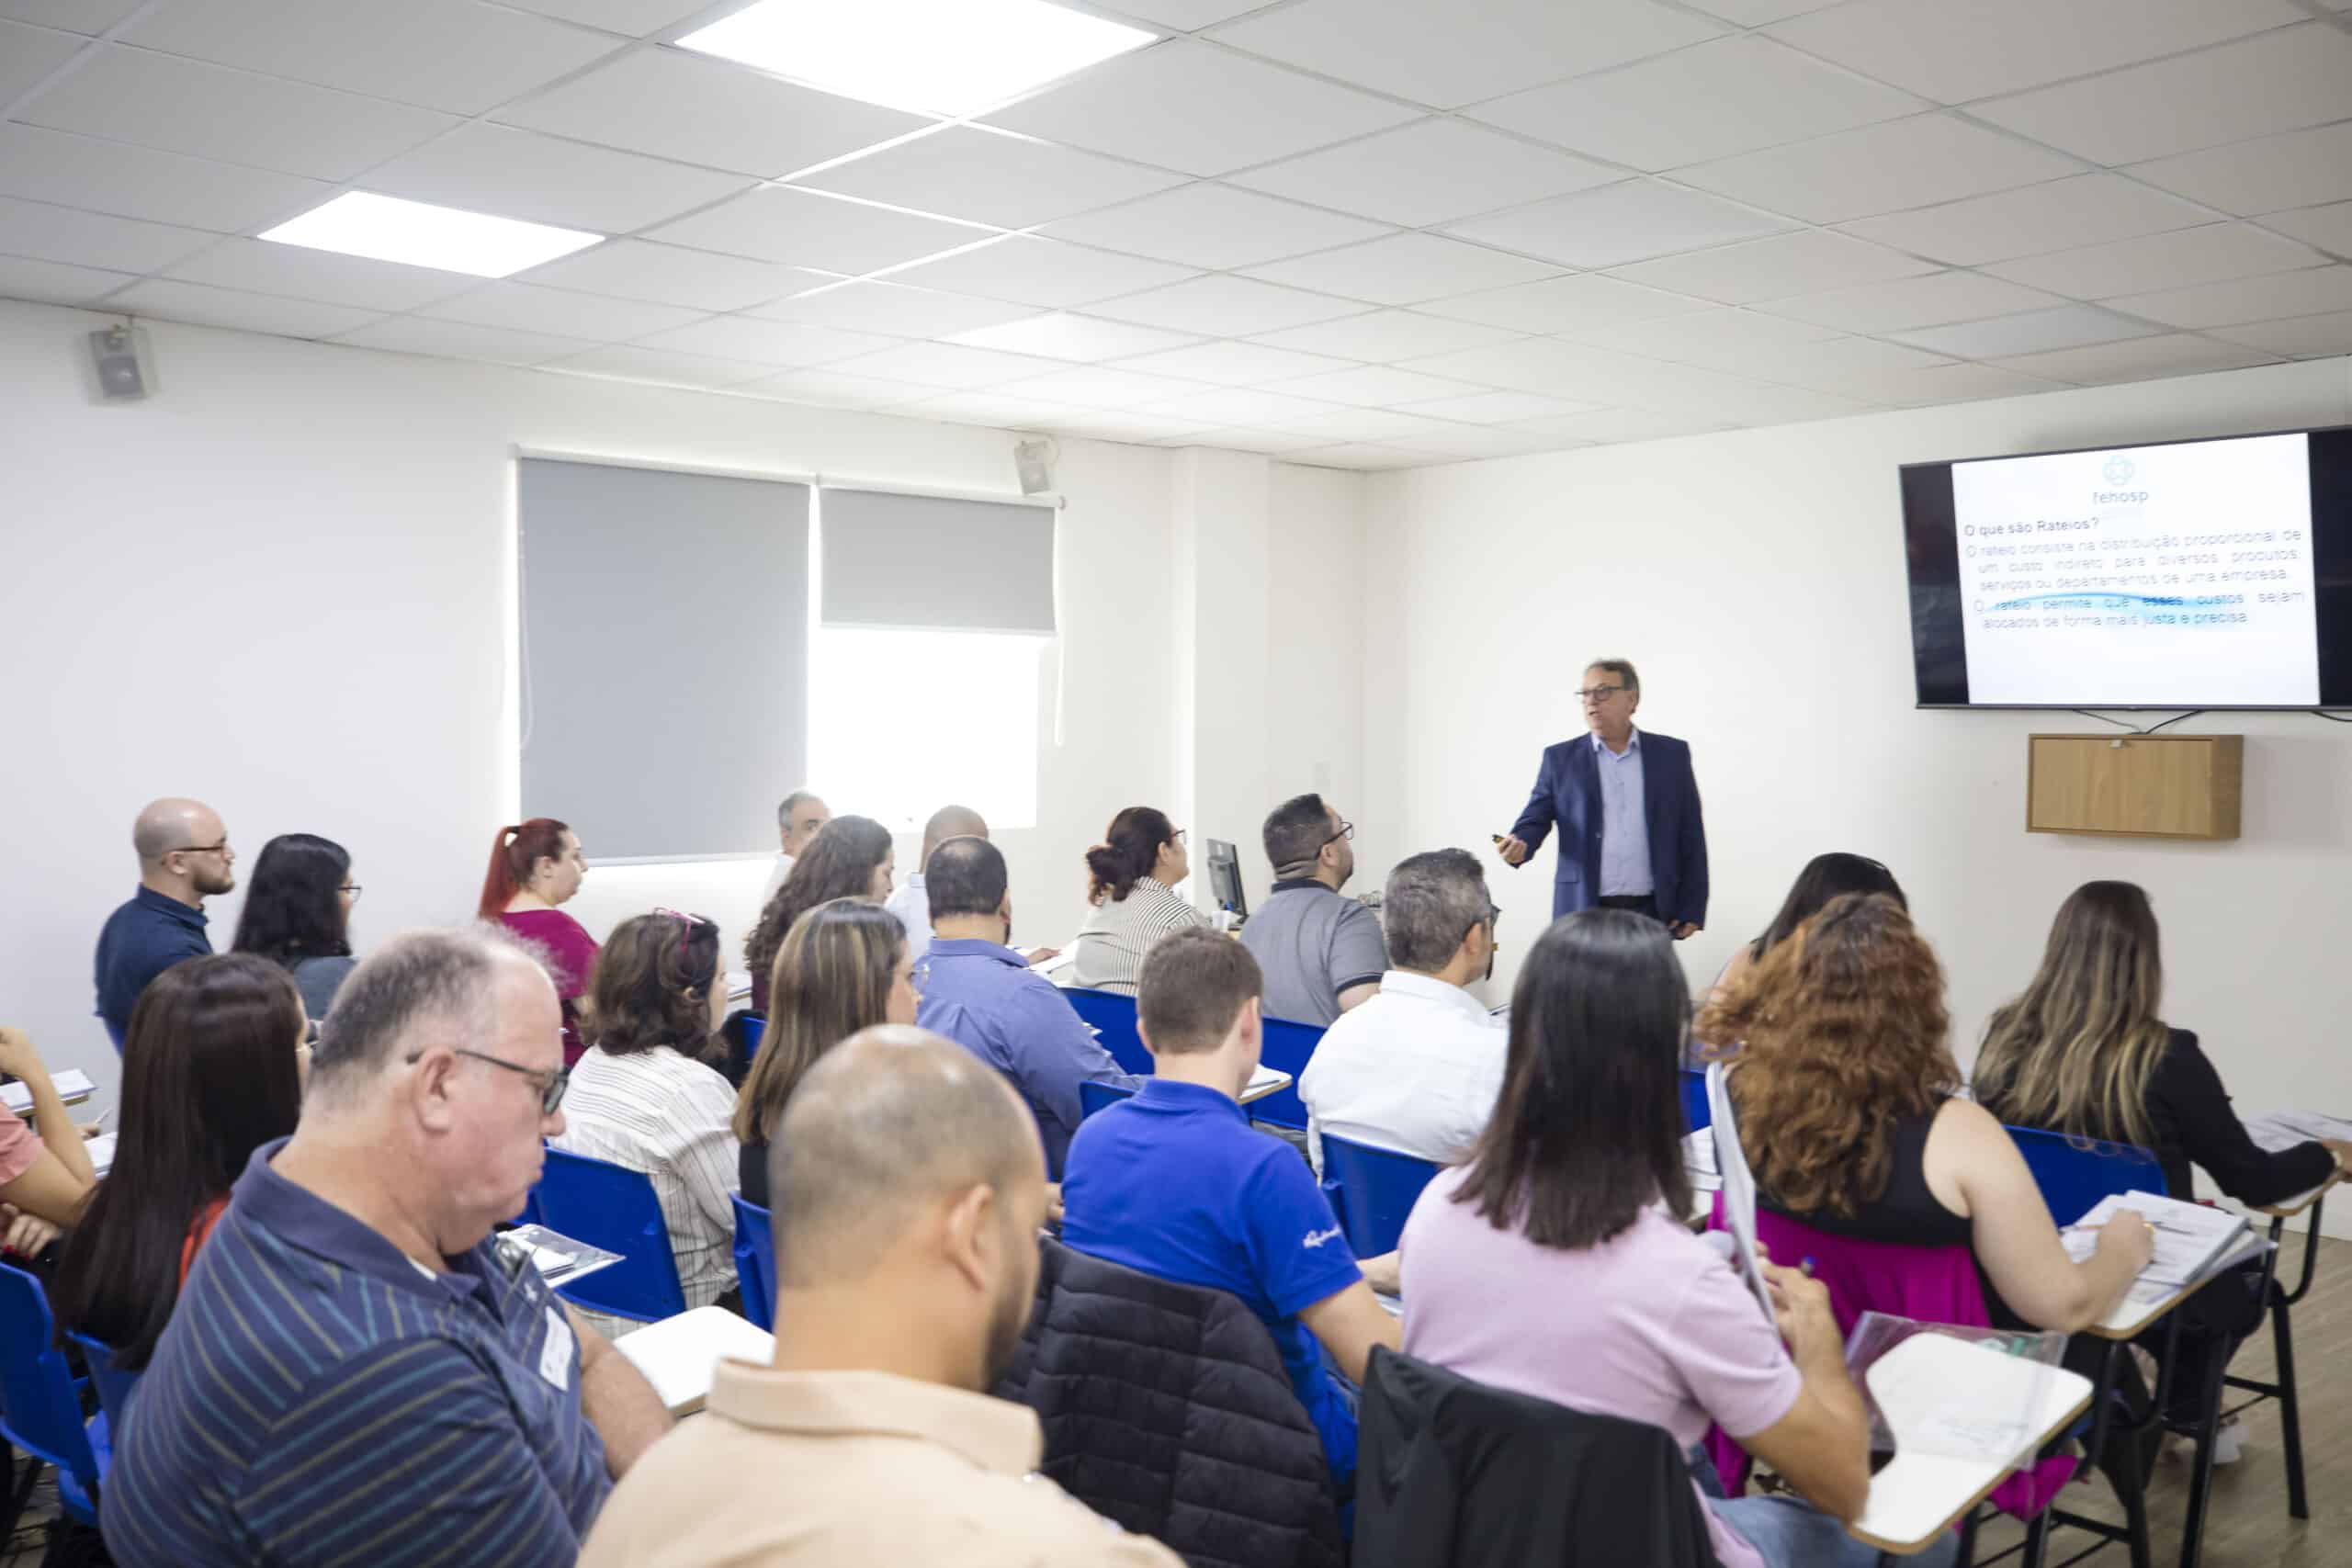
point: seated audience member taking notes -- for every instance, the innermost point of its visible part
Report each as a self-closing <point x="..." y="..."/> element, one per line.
<point x="44" y="1170"/>
<point x="1851" y="1120"/>
<point x="648" y="1095"/>
<point x="1417" y="1069"/>
<point x="1823" y="878"/>
<point x="184" y="858"/>
<point x="908" y="1195"/>
<point x="1128" y="880"/>
<point x="297" y="912"/>
<point x="534" y="866"/>
<point x="851" y="859"/>
<point x="357" y="1373"/>
<point x="797" y="822"/>
<point x="911" y="902"/>
<point x="1176" y="1183"/>
<point x="1321" y="953"/>
<point x="843" y="968"/>
<point x="211" y="1070"/>
<point x="979" y="993"/>
<point x="1551" y="1264"/>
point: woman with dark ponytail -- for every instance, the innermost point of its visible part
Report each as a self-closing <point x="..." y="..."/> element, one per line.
<point x="534" y="866"/>
<point x="1130" y="878"/>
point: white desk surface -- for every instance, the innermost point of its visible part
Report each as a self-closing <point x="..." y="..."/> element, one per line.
<point x="1920" y="1495"/>
<point x="2293" y="1206"/>
<point x="2128" y="1318"/>
<point x="74" y="1086"/>
<point x="1270" y="1080"/>
<point x="680" y="1355"/>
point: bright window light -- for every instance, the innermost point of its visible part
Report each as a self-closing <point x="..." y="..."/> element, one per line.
<point x="950" y="57"/>
<point x="361" y="223"/>
<point x="900" y="722"/>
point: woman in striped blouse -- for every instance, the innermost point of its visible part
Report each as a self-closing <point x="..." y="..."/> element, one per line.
<point x="1128" y="881"/>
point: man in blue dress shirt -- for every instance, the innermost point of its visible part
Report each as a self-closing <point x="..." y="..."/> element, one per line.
<point x="1627" y="806"/>
<point x="184" y="857"/>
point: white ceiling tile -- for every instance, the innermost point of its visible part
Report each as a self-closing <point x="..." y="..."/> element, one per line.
<point x="68" y="235"/>
<point x="946" y="365"/>
<point x="1471" y="51"/>
<point x="2305" y="337"/>
<point x="55" y="283"/>
<point x="2308" y="292"/>
<point x="770" y="343"/>
<point x="1758" y="13"/>
<point x="627" y="362"/>
<point x="807" y="228"/>
<point x="1549" y="366"/>
<point x="1233" y="440"/>
<point x="1183" y="16"/>
<point x="1041" y="272"/>
<point x="543" y="179"/>
<point x="1378" y="386"/>
<point x="1100" y="386"/>
<point x="2175" y="260"/>
<point x="893" y="309"/>
<point x="462" y="339"/>
<point x="1241" y="405"/>
<point x="1185" y="104"/>
<point x="28" y="54"/>
<point x="1931" y="301"/>
<point x="91" y="16"/>
<point x="2029" y="331"/>
<point x="1629" y="221"/>
<point x="139" y="182"/>
<point x="2141" y="360"/>
<point x="445" y="54"/>
<point x="2330" y="227"/>
<point x="1623" y="425"/>
<point x="1366" y="455"/>
<point x="211" y="111"/>
<point x="1957" y="53"/>
<point x="1221" y="306"/>
<point x="1782" y="405"/>
<point x="1881" y="168"/>
<point x="259" y="267"/>
<point x="698" y="110"/>
<point x="1498" y="408"/>
<point x="673" y="275"/>
<point x="989" y="177"/>
<point x="831" y="388"/>
<point x="1431" y="171"/>
<point x="1801" y="263"/>
<point x="2057" y="215"/>
<point x="998" y="408"/>
<point x="1364" y="424"/>
<point x="1214" y="226"/>
<point x="2262" y="174"/>
<point x="632" y="19"/>
<point x="560" y="312"/>
<point x="1385" y="336"/>
<point x="1950" y="382"/>
<point x="208" y="305"/>
<point x="1724" y="339"/>
<point x="1734" y="94"/>
<point x="1843" y="364"/>
<point x="1404" y="269"/>
<point x="1060" y="335"/>
<point x="1123" y="424"/>
<point x="1235" y="364"/>
<point x="1486" y="441"/>
<point x="1563" y="304"/>
<point x="2276" y="81"/>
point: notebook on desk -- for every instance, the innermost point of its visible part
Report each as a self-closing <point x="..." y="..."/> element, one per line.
<point x="71" y="1083"/>
<point x="2193" y="1242"/>
<point x="679" y="1356"/>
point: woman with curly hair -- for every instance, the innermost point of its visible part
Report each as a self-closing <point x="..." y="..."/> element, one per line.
<point x="1851" y="1115"/>
<point x="851" y="859"/>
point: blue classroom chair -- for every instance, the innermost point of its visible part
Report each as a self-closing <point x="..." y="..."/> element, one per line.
<point x="1287" y="1046"/>
<point x="2075" y="1173"/>
<point x="1696" y="1113"/>
<point x="755" y="1262"/>
<point x="1377" y="1188"/>
<point x="115" y="1386"/>
<point x="1113" y="1018"/>
<point x="39" y="1411"/>
<point x="612" y="1207"/>
<point x="1093" y="1097"/>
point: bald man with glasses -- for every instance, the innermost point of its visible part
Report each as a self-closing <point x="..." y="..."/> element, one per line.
<point x="184" y="858"/>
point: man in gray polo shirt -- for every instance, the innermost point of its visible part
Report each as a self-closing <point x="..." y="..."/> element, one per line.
<point x="1321" y="953"/>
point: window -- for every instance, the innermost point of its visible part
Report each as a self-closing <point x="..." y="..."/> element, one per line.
<point x="901" y="723"/>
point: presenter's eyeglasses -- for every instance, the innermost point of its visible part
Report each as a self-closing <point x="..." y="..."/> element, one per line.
<point x="1598" y="693"/>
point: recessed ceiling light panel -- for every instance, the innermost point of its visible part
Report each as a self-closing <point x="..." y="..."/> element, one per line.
<point x="361" y="223"/>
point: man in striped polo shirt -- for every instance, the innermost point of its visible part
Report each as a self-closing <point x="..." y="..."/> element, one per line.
<point x="355" y="1373"/>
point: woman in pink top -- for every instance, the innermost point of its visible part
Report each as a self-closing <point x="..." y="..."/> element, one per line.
<point x="534" y="867"/>
<point x="1551" y="1266"/>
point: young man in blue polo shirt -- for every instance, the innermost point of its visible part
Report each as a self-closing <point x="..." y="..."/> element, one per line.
<point x="1176" y="1183"/>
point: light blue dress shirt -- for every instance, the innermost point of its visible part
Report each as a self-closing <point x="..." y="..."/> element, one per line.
<point x="1624" y="825"/>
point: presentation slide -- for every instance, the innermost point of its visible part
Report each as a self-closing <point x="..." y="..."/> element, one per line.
<point x="2179" y="575"/>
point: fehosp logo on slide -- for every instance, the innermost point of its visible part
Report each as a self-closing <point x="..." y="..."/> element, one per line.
<point x="2118" y="471"/>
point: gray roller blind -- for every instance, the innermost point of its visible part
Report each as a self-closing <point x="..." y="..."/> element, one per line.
<point x="664" y="656"/>
<point x="929" y="563"/>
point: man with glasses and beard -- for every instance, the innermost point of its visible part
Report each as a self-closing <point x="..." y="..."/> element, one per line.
<point x="184" y="858"/>
<point x="908" y="1184"/>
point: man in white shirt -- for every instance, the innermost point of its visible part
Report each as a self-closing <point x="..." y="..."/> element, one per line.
<point x="1417" y="1067"/>
<point x="912" y="903"/>
<point x="797" y="821"/>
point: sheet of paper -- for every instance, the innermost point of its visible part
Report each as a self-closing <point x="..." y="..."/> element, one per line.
<point x="71" y="1083"/>
<point x="1739" y="1185"/>
<point x="101" y="1151"/>
<point x="2189" y="1237"/>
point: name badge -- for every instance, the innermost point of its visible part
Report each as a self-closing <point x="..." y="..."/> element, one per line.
<point x="555" y="1355"/>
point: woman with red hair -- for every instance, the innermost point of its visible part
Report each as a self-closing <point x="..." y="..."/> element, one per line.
<point x="534" y="866"/>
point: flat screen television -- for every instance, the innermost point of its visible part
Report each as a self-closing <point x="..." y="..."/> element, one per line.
<point x="2184" y="574"/>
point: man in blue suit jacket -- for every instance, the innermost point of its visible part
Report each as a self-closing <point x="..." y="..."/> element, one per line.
<point x="1627" y="806"/>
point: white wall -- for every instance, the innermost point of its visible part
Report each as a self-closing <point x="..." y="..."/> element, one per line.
<point x="285" y="586"/>
<point x="1757" y="579"/>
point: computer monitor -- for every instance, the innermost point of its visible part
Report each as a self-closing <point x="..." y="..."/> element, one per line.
<point x="1225" y="879"/>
